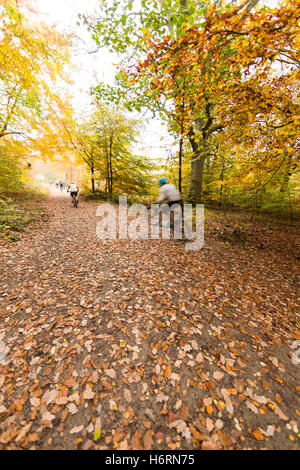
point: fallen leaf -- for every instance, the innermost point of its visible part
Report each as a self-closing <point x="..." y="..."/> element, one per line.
<point x="97" y="434"/>
<point x="76" y="429"/>
<point x="127" y="395"/>
<point x="136" y="441"/>
<point x="23" y="432"/>
<point x="258" y="435"/>
<point x="148" y="441"/>
<point x="218" y="375"/>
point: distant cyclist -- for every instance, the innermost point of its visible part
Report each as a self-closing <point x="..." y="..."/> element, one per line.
<point x="74" y="190"/>
<point x="169" y="193"/>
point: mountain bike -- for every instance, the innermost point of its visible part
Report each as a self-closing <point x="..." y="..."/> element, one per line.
<point x="75" y="201"/>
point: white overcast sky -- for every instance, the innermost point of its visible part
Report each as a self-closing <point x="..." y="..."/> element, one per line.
<point x="64" y="14"/>
<point x="91" y="68"/>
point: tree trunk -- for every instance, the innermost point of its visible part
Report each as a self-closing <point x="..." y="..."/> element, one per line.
<point x="110" y="165"/>
<point x="199" y="144"/>
<point x="197" y="177"/>
<point x="180" y="166"/>
<point x="10" y="113"/>
<point x="222" y="179"/>
<point x="198" y="161"/>
<point x="93" y="178"/>
<point x="107" y="185"/>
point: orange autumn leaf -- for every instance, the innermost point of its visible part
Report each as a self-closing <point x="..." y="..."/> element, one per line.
<point x="148" y="441"/>
<point x="168" y="371"/>
<point x="278" y="398"/>
<point x="199" y="436"/>
<point x="258" y="435"/>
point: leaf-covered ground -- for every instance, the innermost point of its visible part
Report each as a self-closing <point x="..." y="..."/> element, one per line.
<point x="17" y="216"/>
<point x="144" y="345"/>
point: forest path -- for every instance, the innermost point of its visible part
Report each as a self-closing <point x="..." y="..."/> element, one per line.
<point x="157" y="346"/>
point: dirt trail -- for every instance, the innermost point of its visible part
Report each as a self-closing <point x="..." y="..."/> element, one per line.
<point x="159" y="347"/>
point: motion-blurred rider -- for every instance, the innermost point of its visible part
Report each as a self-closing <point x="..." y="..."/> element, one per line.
<point x="169" y="193"/>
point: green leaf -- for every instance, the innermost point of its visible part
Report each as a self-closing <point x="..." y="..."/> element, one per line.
<point x="97" y="434"/>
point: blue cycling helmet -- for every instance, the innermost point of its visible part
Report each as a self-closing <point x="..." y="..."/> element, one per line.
<point x="162" y="181"/>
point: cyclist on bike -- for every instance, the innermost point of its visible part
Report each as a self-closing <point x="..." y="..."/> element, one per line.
<point x="74" y="190"/>
<point x="168" y="192"/>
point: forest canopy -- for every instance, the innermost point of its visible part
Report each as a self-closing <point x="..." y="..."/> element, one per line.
<point x="225" y="78"/>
